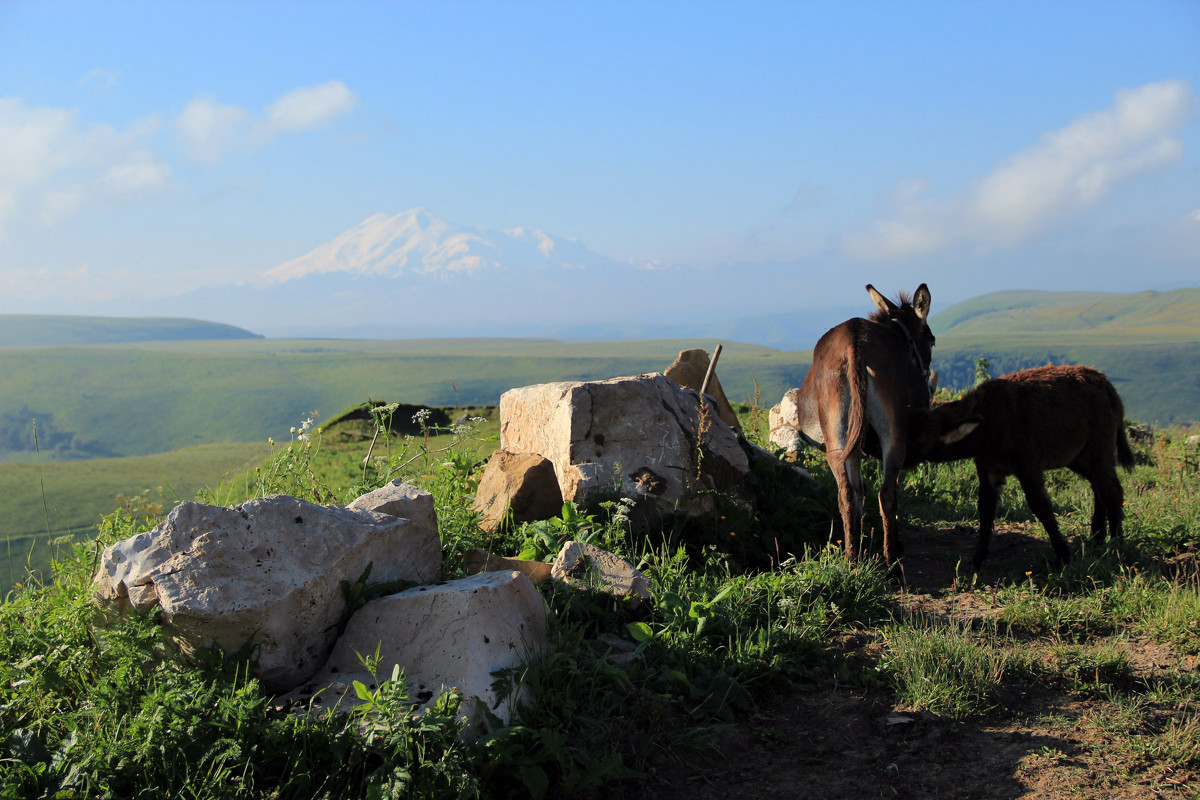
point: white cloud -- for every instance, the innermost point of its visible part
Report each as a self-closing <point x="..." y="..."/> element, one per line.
<point x="1079" y="165"/>
<point x="894" y="238"/>
<point x="1067" y="171"/>
<point x="71" y="292"/>
<point x="310" y="106"/>
<point x="51" y="164"/>
<point x="100" y="78"/>
<point x="209" y="129"/>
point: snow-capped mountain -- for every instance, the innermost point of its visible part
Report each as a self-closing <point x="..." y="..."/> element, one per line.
<point x="412" y="275"/>
<point x="417" y="243"/>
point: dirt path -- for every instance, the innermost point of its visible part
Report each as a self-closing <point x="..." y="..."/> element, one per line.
<point x="836" y="743"/>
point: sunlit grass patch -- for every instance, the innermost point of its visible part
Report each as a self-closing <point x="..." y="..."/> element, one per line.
<point x="949" y="669"/>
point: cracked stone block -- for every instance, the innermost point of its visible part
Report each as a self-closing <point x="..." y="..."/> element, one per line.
<point x="643" y="437"/>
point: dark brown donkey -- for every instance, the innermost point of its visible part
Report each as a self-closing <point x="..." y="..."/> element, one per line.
<point x="1024" y="424"/>
<point x="867" y="378"/>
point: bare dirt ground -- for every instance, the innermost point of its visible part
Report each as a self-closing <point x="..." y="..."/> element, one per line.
<point x="855" y="744"/>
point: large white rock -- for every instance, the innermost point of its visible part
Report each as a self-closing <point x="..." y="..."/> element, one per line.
<point x="641" y="437"/>
<point x="784" y="419"/>
<point x="267" y="572"/>
<point x="450" y="635"/>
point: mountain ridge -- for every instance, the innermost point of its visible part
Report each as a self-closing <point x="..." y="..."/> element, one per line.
<point x="55" y="330"/>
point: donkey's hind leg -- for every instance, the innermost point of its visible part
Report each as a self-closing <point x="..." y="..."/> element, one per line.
<point x="1108" y="500"/>
<point x="1109" y="497"/>
<point x="893" y="548"/>
<point x="990" y="484"/>
<point x="851" y="500"/>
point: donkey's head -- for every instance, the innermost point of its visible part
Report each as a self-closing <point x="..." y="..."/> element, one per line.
<point x="910" y="317"/>
<point x="940" y="433"/>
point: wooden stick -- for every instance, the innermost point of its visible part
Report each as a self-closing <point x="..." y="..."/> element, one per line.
<point x="712" y="367"/>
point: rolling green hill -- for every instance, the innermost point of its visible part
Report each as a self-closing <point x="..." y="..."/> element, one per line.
<point x="1148" y="343"/>
<point x="34" y="330"/>
<point x="1091" y="318"/>
<point x="137" y="399"/>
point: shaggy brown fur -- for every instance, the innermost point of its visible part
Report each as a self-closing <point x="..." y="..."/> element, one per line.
<point x="1024" y="424"/>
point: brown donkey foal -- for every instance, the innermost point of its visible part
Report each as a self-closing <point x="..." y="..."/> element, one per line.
<point x="1024" y="424"/>
<point x="867" y="378"/>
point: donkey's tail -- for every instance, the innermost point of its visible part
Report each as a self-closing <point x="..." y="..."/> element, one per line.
<point x="1124" y="453"/>
<point x="856" y="376"/>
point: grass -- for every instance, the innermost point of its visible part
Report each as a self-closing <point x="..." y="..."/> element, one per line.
<point x="49" y="504"/>
<point x="88" y="711"/>
<point x="949" y="669"/>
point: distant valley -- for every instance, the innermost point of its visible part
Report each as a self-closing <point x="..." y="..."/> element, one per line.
<point x="108" y="387"/>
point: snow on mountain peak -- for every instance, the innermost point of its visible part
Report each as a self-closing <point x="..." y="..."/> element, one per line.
<point x="417" y="242"/>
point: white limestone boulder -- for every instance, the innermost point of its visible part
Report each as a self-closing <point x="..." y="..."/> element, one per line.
<point x="449" y="635"/>
<point x="266" y="574"/>
<point x="640" y="437"/>
<point x="784" y="421"/>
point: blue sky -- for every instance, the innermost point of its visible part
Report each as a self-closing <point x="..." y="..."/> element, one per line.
<point x="151" y="148"/>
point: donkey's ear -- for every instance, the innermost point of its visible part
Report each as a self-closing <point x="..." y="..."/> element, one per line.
<point x="880" y="301"/>
<point x="960" y="432"/>
<point x="921" y="301"/>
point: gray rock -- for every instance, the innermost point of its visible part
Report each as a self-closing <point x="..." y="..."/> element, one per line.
<point x="689" y="369"/>
<point x="585" y="566"/>
<point x="517" y="486"/>
<point x="400" y="499"/>
<point x="784" y="420"/>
